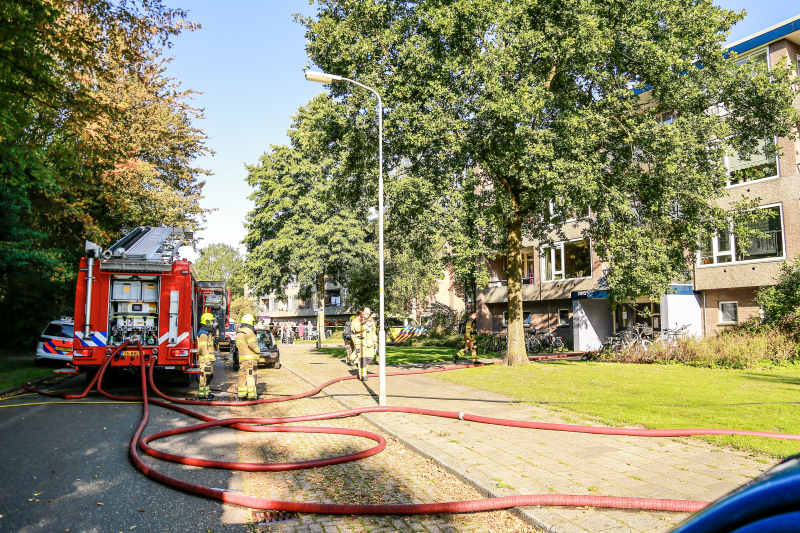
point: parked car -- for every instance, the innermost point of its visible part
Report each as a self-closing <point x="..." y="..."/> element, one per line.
<point x="270" y="354"/>
<point x="56" y="341"/>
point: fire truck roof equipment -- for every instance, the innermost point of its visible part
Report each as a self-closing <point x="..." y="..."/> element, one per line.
<point x="145" y="249"/>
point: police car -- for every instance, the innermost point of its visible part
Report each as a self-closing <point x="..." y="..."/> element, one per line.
<point x="401" y="329"/>
<point x="55" y="341"/>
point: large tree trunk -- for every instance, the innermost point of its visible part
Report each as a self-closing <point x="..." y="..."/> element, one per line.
<point x="321" y="312"/>
<point x="516" y="336"/>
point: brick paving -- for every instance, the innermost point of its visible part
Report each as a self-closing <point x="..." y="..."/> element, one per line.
<point x="396" y="475"/>
<point x="502" y="461"/>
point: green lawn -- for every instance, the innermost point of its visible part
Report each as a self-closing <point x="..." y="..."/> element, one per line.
<point x="658" y="396"/>
<point x="20" y="371"/>
<point x="399" y="355"/>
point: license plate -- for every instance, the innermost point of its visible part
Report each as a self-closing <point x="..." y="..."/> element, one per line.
<point x="130" y="353"/>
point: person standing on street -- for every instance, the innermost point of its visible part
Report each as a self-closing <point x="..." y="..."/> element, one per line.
<point x="249" y="352"/>
<point x="205" y="355"/>
<point x="469" y="340"/>
<point x="364" y="330"/>
<point x="301" y="331"/>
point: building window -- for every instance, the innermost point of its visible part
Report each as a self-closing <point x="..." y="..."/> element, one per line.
<point x="755" y="60"/>
<point x="527" y="272"/>
<point x="728" y="312"/>
<point x="725" y="249"/>
<point x="757" y="167"/>
<point x="526" y="319"/>
<point x="291" y="306"/>
<point x="563" y="317"/>
<point x="567" y="260"/>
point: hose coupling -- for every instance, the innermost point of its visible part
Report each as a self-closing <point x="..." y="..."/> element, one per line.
<point x="461" y="416"/>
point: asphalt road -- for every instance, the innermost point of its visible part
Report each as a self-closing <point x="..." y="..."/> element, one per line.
<point x="58" y="463"/>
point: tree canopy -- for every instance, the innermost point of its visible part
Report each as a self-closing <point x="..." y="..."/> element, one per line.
<point x="222" y="262"/>
<point x="298" y="231"/>
<point x="564" y="102"/>
<point x="94" y="139"/>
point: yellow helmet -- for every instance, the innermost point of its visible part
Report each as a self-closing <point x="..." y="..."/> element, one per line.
<point x="248" y="319"/>
<point x="207" y="319"/>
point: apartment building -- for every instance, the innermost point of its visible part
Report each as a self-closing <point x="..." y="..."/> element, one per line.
<point x="564" y="285"/>
<point x="293" y="309"/>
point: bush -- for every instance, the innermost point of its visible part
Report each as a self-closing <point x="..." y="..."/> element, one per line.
<point x="443" y="318"/>
<point x="739" y="348"/>
<point x="437" y="338"/>
<point x="781" y="302"/>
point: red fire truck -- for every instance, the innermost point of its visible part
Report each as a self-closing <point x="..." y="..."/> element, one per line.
<point x="137" y="290"/>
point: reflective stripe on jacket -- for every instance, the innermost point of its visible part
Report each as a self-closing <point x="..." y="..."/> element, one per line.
<point x="469" y="328"/>
<point x="247" y="344"/>
<point x="205" y="346"/>
<point x="364" y="330"/>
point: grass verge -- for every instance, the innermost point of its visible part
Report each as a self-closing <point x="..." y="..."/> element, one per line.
<point x="20" y="371"/>
<point x="401" y="355"/>
<point x="658" y="396"/>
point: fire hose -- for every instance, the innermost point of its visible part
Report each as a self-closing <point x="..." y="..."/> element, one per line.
<point x="269" y="425"/>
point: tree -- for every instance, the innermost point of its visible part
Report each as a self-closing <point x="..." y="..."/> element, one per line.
<point x="298" y="232"/>
<point x="562" y="101"/>
<point x="94" y="140"/>
<point x="222" y="262"/>
<point x="243" y="305"/>
<point x="781" y="302"/>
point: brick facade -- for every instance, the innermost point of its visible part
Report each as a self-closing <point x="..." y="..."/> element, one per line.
<point x="745" y="297"/>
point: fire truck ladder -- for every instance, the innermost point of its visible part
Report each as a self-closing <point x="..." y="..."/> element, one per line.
<point x="145" y="249"/>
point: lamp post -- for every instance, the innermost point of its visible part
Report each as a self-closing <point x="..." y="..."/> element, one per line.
<point x="329" y="79"/>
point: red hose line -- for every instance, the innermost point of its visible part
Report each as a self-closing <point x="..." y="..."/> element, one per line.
<point x="91" y="383"/>
<point x="262" y="424"/>
<point x="405" y="509"/>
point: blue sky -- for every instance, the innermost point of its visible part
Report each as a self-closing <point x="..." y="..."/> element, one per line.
<point x="248" y="62"/>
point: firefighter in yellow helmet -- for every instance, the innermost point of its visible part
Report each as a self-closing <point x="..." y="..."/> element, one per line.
<point x="469" y="340"/>
<point x="363" y="328"/>
<point x="249" y="352"/>
<point x="205" y="355"/>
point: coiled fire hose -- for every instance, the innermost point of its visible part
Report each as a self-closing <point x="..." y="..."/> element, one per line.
<point x="269" y="425"/>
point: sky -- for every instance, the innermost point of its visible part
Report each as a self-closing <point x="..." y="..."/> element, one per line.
<point x="247" y="60"/>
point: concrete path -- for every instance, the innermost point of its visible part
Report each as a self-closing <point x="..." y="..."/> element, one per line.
<point x="502" y="461"/>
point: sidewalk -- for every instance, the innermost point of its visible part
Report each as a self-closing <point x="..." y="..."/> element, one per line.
<point x="502" y="461"/>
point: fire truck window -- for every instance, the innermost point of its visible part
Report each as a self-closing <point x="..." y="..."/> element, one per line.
<point x="58" y="330"/>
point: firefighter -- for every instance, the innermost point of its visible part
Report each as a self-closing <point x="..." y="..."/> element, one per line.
<point x="249" y="353"/>
<point x="349" y="343"/>
<point x="205" y="355"/>
<point x="363" y="327"/>
<point x="469" y="340"/>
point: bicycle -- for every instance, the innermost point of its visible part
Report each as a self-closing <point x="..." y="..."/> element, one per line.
<point x="497" y="343"/>
<point x="639" y="346"/>
<point x="668" y="340"/>
<point x="533" y="344"/>
<point x="551" y="342"/>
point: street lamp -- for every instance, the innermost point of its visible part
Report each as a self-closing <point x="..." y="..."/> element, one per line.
<point x="323" y="77"/>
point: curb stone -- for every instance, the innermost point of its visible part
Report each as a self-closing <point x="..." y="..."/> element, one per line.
<point x="477" y="481"/>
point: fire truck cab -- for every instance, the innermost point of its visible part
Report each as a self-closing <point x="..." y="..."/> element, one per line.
<point x="138" y="290"/>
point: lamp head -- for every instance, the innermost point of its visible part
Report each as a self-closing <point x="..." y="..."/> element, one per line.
<point x="322" y="77"/>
